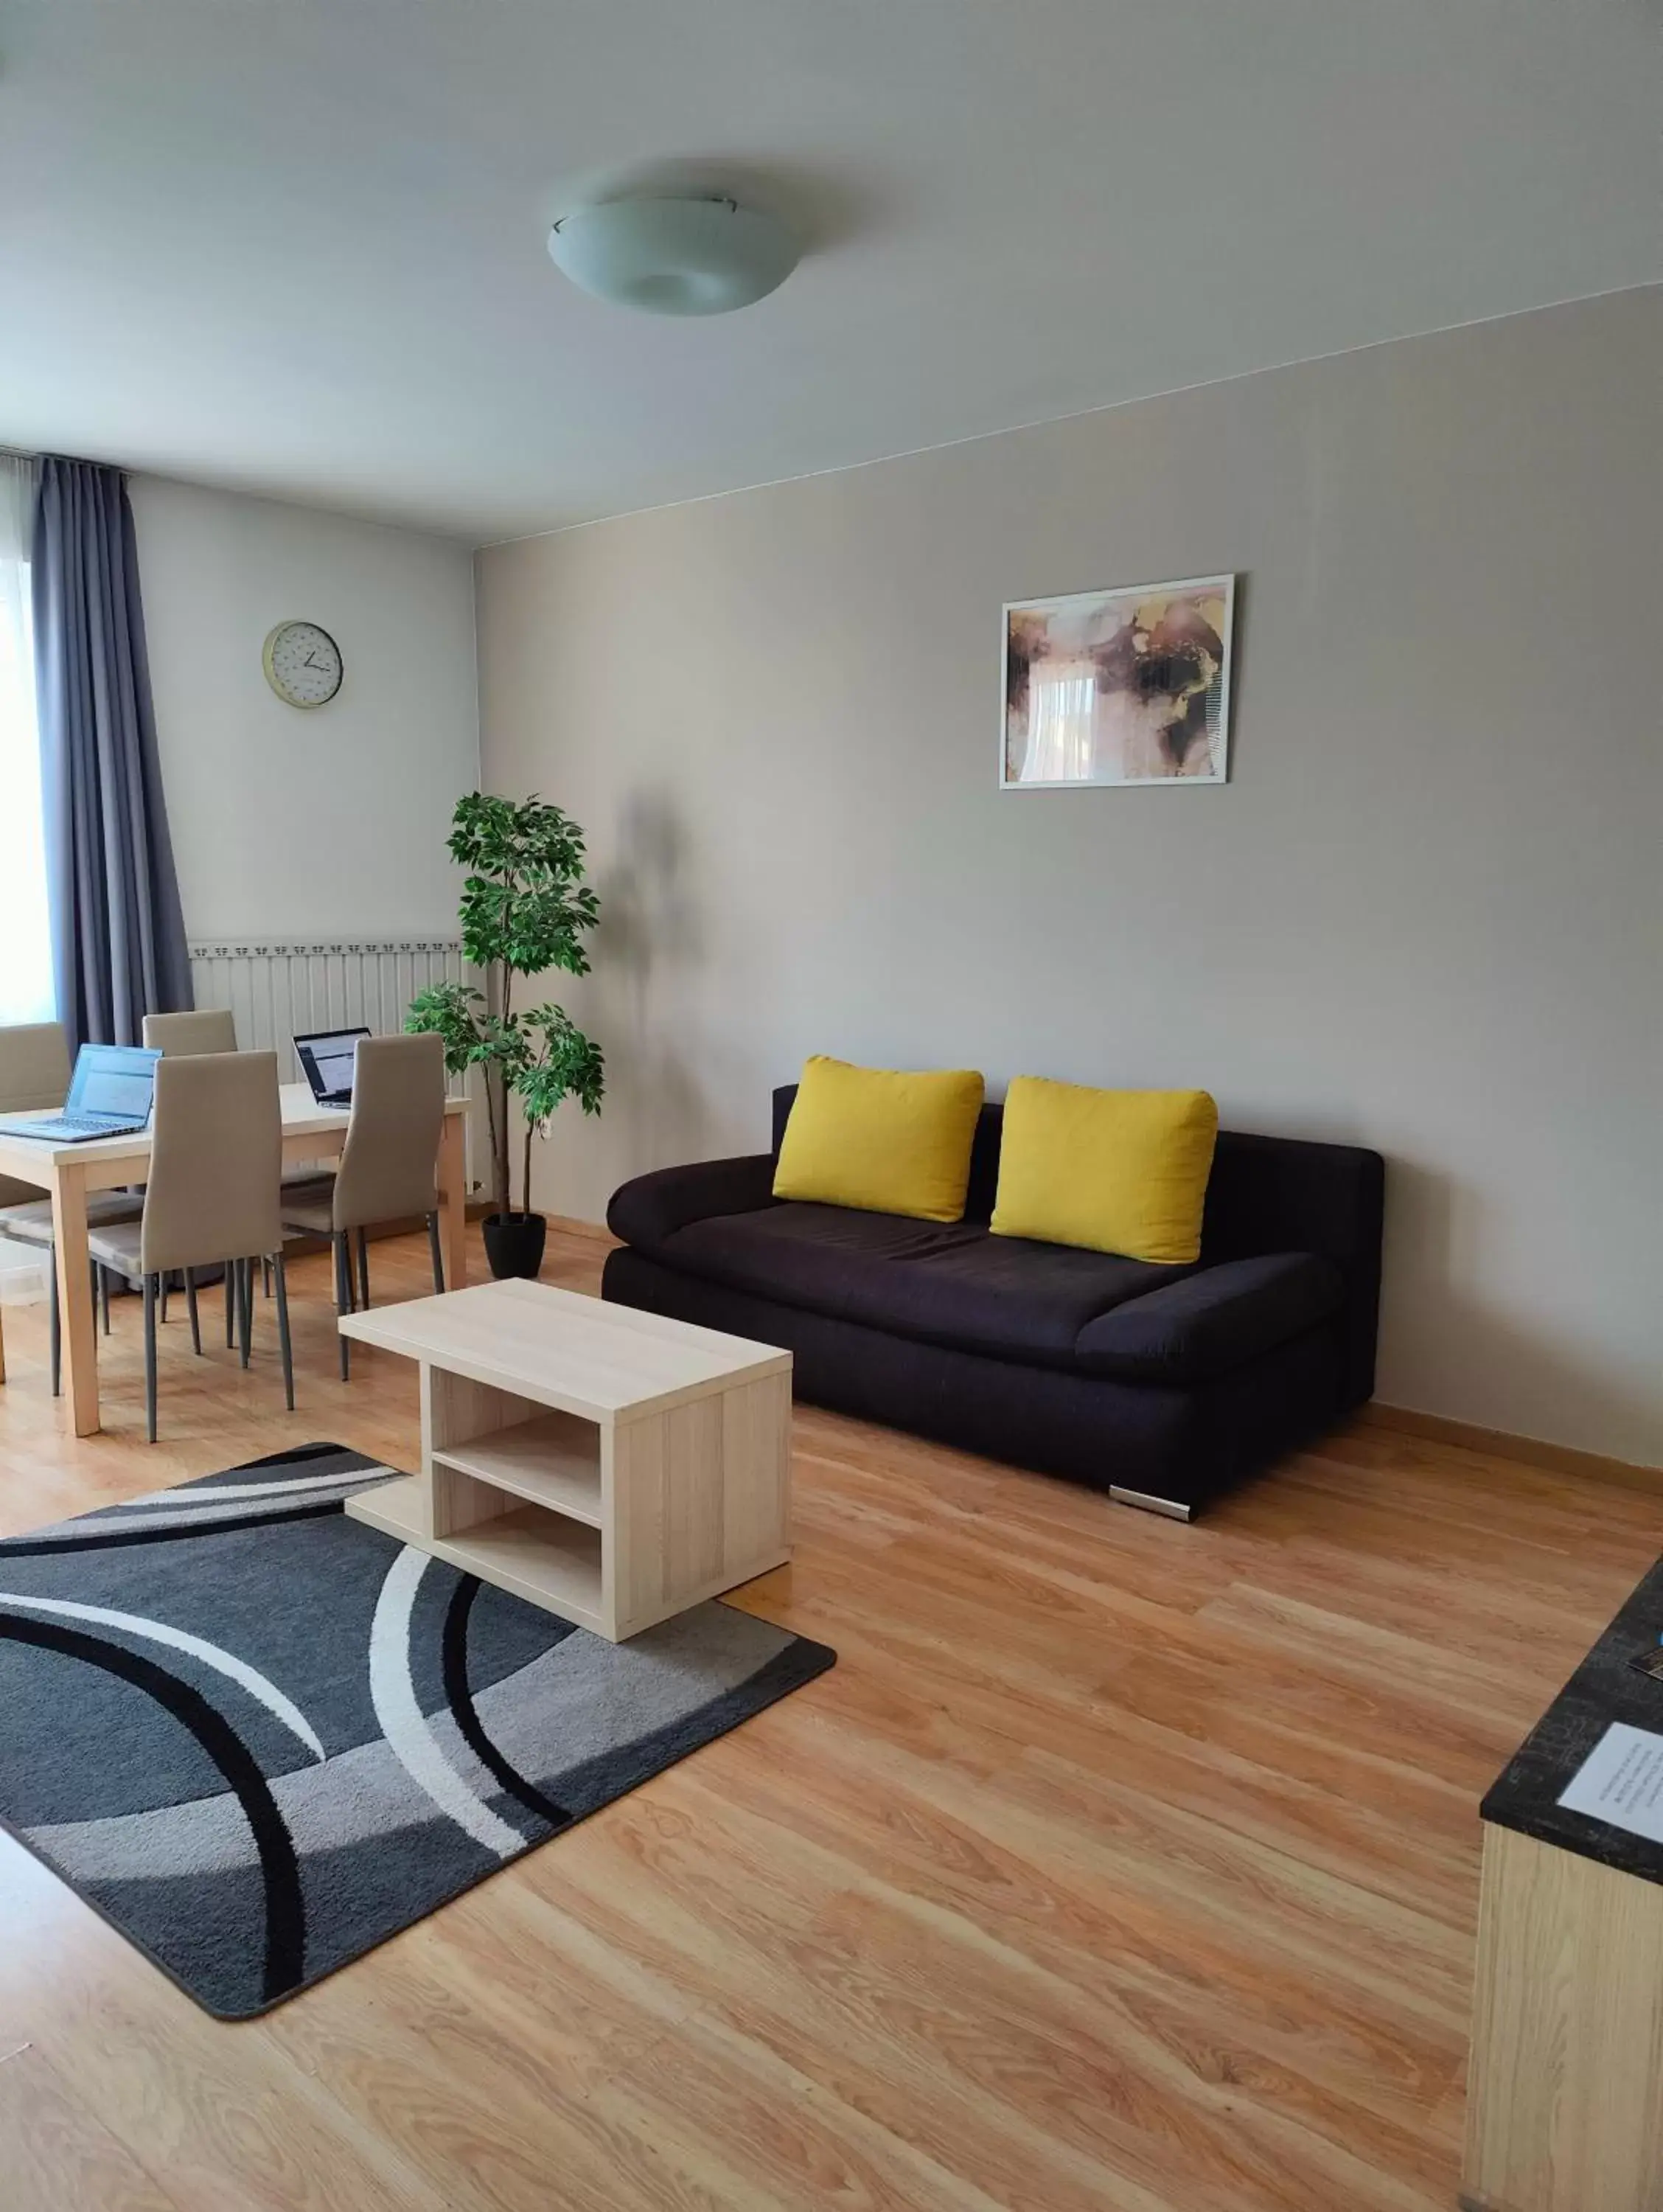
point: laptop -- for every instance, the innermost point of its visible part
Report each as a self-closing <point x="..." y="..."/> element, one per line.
<point x="111" y="1095"/>
<point x="327" y="1058"/>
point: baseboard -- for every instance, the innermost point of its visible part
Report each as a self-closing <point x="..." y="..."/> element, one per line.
<point x="568" y="1225"/>
<point x="478" y="1209"/>
<point x="1534" y="1451"/>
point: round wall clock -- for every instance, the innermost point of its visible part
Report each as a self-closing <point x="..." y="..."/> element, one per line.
<point x="302" y="663"/>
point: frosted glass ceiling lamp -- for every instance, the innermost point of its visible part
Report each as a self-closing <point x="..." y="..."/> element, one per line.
<point x="673" y="257"/>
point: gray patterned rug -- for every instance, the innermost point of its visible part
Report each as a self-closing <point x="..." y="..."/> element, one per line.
<point x="260" y="1737"/>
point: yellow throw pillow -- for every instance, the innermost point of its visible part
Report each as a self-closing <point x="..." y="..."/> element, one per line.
<point x="1113" y="1170"/>
<point x="885" y="1143"/>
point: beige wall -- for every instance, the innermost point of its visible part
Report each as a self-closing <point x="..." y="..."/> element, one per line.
<point x="1426" y="914"/>
<point x="287" y="823"/>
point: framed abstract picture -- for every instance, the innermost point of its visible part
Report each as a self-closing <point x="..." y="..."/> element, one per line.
<point x="1119" y="687"/>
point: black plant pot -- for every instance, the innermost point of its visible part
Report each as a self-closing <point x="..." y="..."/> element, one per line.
<point x="513" y="1244"/>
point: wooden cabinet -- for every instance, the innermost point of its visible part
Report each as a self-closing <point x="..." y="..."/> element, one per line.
<point x="1565" y="2090"/>
<point x="1565" y="2086"/>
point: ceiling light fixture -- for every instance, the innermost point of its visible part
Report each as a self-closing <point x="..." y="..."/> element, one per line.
<point x="702" y="256"/>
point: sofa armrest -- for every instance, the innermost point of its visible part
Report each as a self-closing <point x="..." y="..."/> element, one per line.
<point x="1213" y="1320"/>
<point x="1289" y="1195"/>
<point x="651" y="1207"/>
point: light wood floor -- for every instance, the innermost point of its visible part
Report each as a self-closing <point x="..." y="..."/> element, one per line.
<point x="1117" y="1864"/>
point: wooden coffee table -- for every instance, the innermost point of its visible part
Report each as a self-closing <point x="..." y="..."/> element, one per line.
<point x="612" y="1466"/>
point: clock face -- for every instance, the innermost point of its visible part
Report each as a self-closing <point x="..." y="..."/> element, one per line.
<point x="302" y="663"/>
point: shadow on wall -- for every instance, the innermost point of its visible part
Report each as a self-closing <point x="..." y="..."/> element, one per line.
<point x="1494" y="1369"/>
<point x="649" y="937"/>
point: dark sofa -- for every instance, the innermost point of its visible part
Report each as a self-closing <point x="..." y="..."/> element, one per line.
<point x="1159" y="1384"/>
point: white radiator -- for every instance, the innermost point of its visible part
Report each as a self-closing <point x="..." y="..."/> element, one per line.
<point x="280" y="991"/>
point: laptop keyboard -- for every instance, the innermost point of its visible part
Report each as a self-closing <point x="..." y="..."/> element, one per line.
<point x="90" y="1125"/>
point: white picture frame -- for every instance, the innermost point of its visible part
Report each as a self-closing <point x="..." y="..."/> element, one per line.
<point x="1097" y="720"/>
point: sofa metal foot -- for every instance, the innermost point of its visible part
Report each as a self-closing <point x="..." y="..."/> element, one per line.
<point x="1145" y="1504"/>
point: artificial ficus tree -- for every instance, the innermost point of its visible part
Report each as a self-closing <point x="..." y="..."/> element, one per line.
<point x="524" y="909"/>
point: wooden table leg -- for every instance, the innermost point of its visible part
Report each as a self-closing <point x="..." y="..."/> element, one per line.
<point x="75" y="1297"/>
<point x="453" y="1200"/>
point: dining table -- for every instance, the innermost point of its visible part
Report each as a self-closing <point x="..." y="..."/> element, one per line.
<point x="68" y="1172"/>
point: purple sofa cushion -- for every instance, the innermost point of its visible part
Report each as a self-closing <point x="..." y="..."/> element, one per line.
<point x="948" y="1284"/>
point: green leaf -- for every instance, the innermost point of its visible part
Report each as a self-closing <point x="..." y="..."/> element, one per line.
<point x="563" y="1063"/>
<point x="524" y="910"/>
<point x="448" y="1009"/>
<point x="525" y="906"/>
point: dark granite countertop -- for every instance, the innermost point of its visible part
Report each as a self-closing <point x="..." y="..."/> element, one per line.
<point x="1605" y="1688"/>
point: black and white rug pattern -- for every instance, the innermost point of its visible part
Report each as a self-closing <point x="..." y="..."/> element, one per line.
<point x="260" y="1737"/>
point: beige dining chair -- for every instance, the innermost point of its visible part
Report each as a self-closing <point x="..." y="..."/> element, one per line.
<point x="389" y="1166"/>
<point x="214" y="1029"/>
<point x="35" y="1073"/>
<point x="213" y="1197"/>
<point x="205" y="1029"/>
<point x="209" y="1028"/>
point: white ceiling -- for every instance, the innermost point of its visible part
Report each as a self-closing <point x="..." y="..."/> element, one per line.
<point x="297" y="245"/>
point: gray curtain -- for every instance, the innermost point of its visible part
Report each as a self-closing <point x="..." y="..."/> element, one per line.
<point x="118" y="948"/>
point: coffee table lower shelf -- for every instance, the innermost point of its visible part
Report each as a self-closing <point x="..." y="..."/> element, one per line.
<point x="546" y="1560"/>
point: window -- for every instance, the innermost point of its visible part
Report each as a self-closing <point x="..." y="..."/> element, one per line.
<point x="26" y="968"/>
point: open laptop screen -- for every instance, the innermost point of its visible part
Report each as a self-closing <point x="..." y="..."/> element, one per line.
<point x="327" y="1059"/>
<point x="114" y="1079"/>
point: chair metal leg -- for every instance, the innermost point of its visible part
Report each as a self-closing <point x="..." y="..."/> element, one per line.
<point x="265" y="1273"/>
<point x="196" y="1317"/>
<point x="363" y="1270"/>
<point x="342" y="1297"/>
<point x="283" y="1345"/>
<point x="162" y="1280"/>
<point x="437" y="1251"/>
<point x="55" y="1325"/>
<point x="245" y="1309"/>
<point x="102" y="1277"/>
<point x="230" y="1303"/>
<point x="150" y="1358"/>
